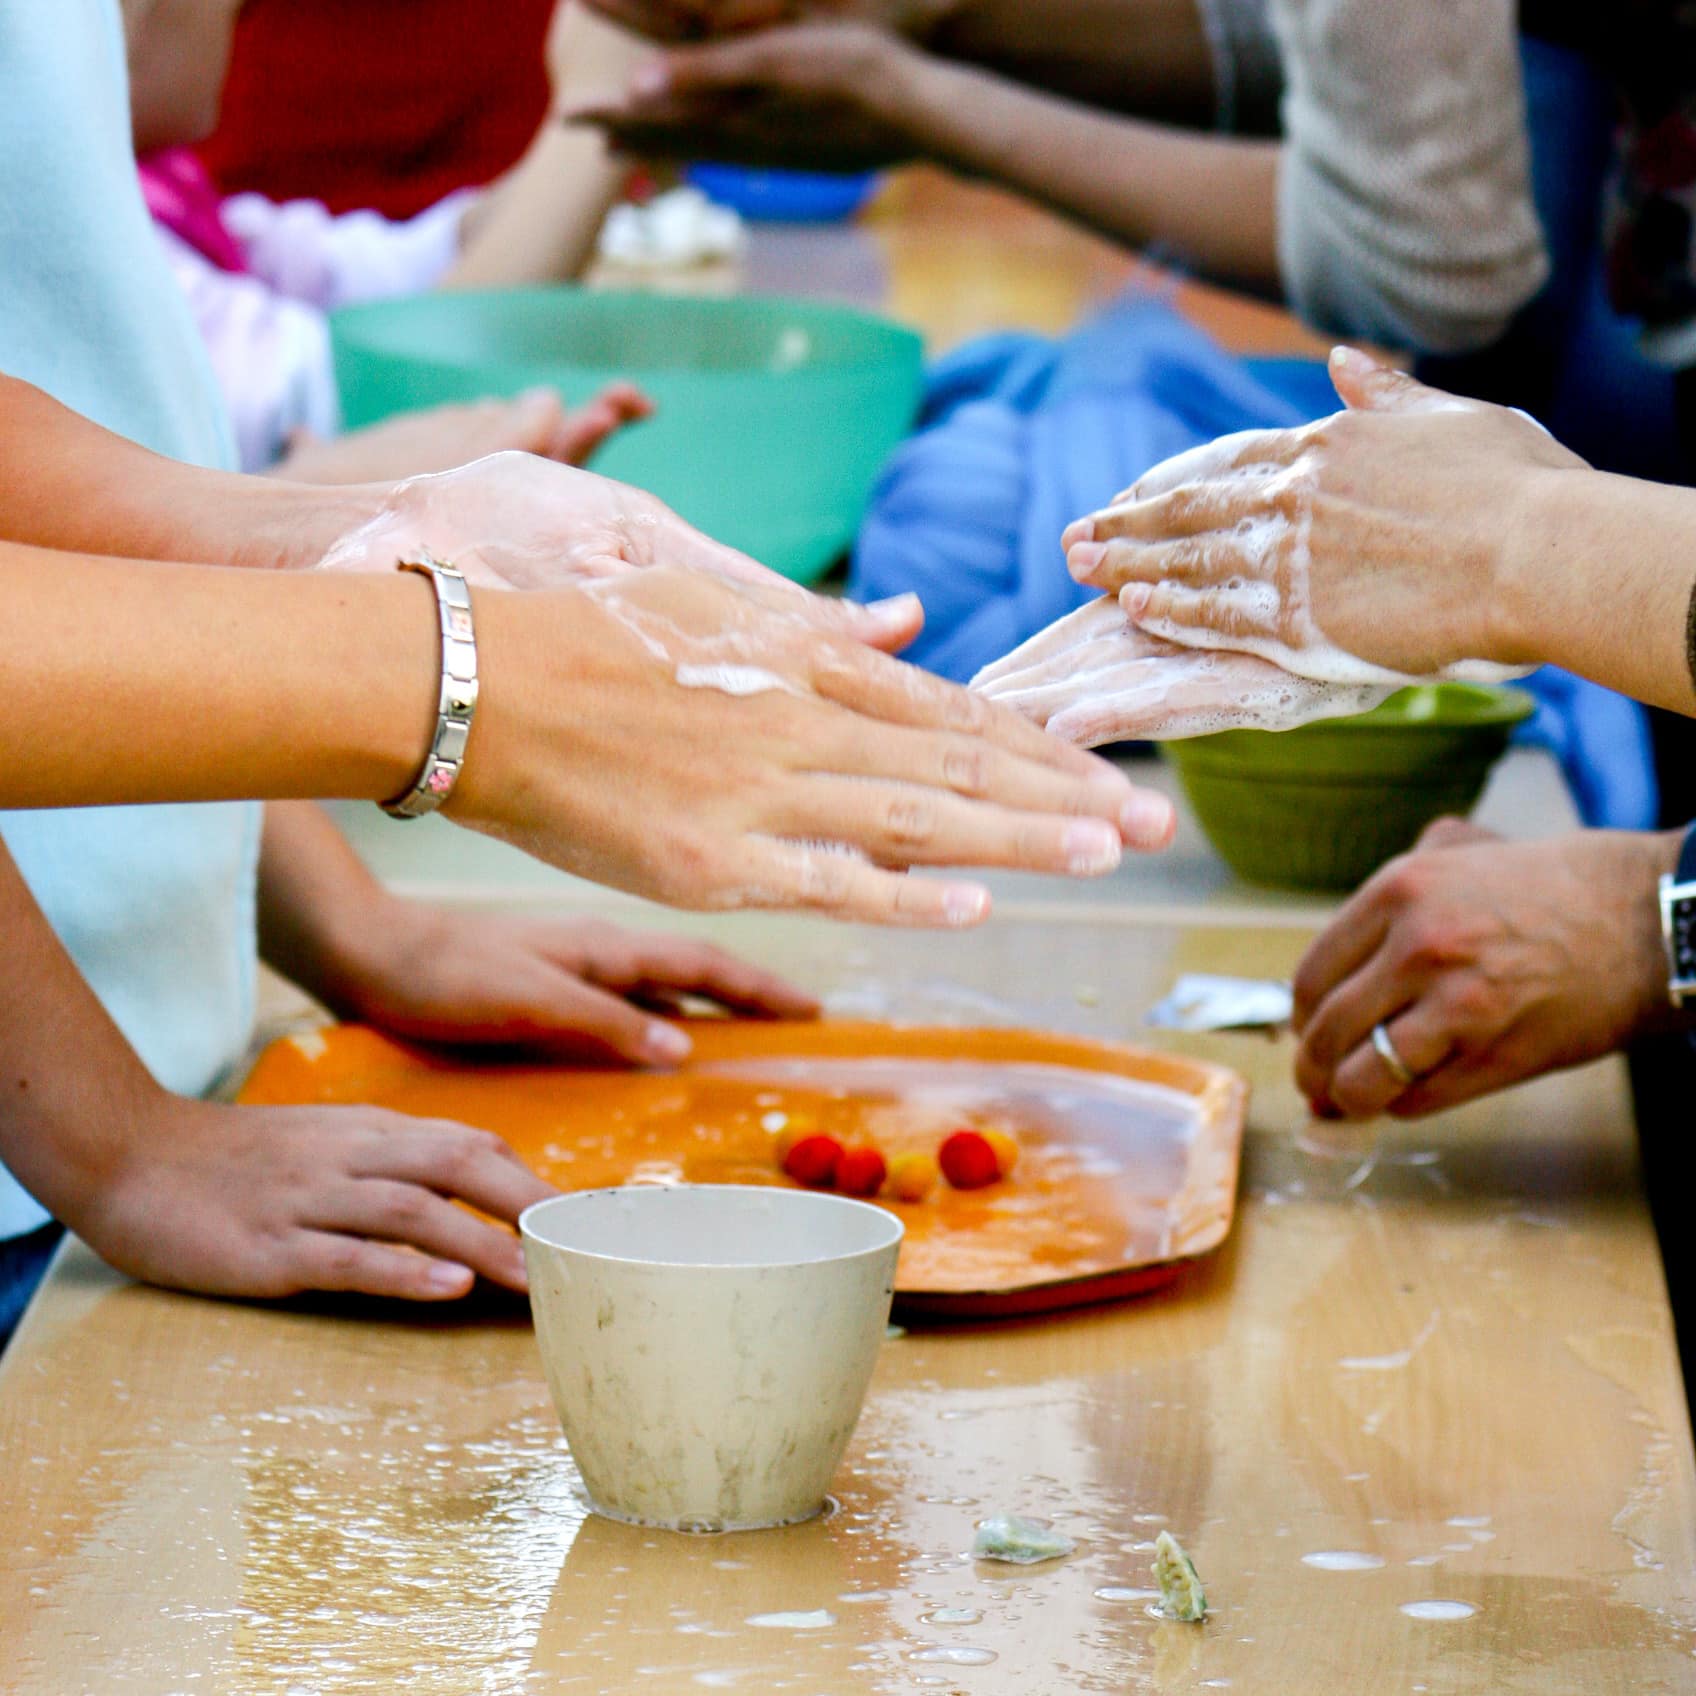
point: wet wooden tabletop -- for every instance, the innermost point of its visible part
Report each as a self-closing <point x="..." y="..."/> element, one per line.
<point x="1441" y="1352"/>
<point x="1433" y="1364"/>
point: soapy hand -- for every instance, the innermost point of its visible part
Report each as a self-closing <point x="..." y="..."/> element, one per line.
<point x="717" y="744"/>
<point x="575" y="988"/>
<point x="1370" y="546"/>
<point x="273" y="1201"/>
<point x="1487" y="962"/>
<point x="819" y="96"/>
<point x="513" y="521"/>
<point x="1092" y="677"/>
<point x="441" y="438"/>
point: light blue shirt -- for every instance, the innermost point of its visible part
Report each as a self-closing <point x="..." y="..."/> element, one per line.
<point x="155" y="904"/>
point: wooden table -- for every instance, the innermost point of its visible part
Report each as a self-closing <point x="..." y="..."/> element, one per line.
<point x="1444" y="1348"/>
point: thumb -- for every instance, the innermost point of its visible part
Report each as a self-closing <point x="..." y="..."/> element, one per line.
<point x="535" y="416"/>
<point x="1366" y="385"/>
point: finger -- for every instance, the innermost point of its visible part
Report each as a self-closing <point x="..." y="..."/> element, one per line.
<point x="1212" y="618"/>
<point x="748" y="61"/>
<point x="1465" y="1078"/>
<point x="903" y="695"/>
<point x="974" y="769"/>
<point x="698" y="968"/>
<point x="589" y="1022"/>
<point x="356" y="1265"/>
<point x="1096" y="621"/>
<point x="654" y="18"/>
<point x="416" y="1217"/>
<point x="1352" y="938"/>
<point x="1193" y="509"/>
<point x="579" y="434"/>
<point x="841" y="885"/>
<point x="529" y="421"/>
<point x="1451" y="832"/>
<point x="1213" y="464"/>
<point x="1365" y="1085"/>
<point x="1366" y="385"/>
<point x="904" y="825"/>
<point x="1239" y="557"/>
<point x="453" y="1160"/>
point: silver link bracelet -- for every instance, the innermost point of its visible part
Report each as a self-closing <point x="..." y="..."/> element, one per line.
<point x="458" y="698"/>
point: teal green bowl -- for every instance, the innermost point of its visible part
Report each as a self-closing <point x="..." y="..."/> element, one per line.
<point x="773" y="416"/>
<point x="1323" y="807"/>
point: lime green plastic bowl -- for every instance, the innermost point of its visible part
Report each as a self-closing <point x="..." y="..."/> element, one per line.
<point x="773" y="416"/>
<point x="1323" y="807"/>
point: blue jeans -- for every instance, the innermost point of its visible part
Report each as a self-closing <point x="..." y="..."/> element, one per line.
<point x="23" y="1260"/>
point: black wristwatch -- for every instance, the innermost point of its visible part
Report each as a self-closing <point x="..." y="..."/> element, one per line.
<point x="1678" y="924"/>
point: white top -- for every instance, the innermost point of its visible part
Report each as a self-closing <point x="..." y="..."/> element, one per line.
<point x="268" y="330"/>
<point x="1405" y="212"/>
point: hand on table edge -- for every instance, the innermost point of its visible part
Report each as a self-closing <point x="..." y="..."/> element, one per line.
<point x="1489" y="962"/>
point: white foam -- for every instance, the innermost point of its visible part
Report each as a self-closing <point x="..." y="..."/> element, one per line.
<point x="730" y="679"/>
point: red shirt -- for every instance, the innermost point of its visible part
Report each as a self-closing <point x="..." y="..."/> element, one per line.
<point x="389" y="104"/>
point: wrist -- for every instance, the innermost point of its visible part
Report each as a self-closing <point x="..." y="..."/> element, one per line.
<point x="905" y="87"/>
<point x="1524" y="574"/>
<point x="1654" y="855"/>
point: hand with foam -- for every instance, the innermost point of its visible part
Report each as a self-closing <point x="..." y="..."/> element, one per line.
<point x="515" y="521"/>
<point x="1375" y="545"/>
<point x="1092" y="677"/>
<point x="715" y="744"/>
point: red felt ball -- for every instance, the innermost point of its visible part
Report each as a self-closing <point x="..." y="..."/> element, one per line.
<point x="861" y="1171"/>
<point x="814" y="1160"/>
<point x="967" y="1160"/>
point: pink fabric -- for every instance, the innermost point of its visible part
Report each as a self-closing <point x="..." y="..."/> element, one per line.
<point x="181" y="195"/>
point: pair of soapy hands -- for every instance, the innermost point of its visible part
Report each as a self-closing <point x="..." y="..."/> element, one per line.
<point x="1274" y="577"/>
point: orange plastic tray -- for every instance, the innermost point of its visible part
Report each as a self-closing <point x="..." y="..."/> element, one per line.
<point x="1128" y="1161"/>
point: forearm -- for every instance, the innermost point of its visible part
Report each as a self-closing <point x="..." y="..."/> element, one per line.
<point x="70" y="484"/>
<point x="540" y="222"/>
<point x="193" y="683"/>
<point x="1211" y="200"/>
<point x="319" y="907"/>
<point x="1149" y="57"/>
<point x="69" y="1082"/>
<point x="1599" y="579"/>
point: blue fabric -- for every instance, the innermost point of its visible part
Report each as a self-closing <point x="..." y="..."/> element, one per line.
<point x="1018" y="435"/>
<point x="23" y="1264"/>
<point x="155" y="904"/>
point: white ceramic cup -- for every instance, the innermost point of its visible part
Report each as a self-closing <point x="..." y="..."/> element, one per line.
<point x="708" y="1346"/>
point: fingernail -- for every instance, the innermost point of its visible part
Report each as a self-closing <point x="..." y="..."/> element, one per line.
<point x="520" y="1272"/>
<point x="648" y="79"/>
<point x="666" y="1044"/>
<point x="1350" y="359"/>
<point x="1079" y="530"/>
<point x="1090" y="847"/>
<point x="1147" y="819"/>
<point x="964" y="903"/>
<point x="1134" y="599"/>
<point x="444" y="1276"/>
<point x="1084" y="558"/>
<point x="894" y="609"/>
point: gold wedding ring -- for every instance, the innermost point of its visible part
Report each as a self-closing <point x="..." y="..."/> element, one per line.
<point x="1394" y="1063"/>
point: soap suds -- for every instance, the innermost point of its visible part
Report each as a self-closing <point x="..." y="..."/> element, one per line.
<point x="730" y="679"/>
